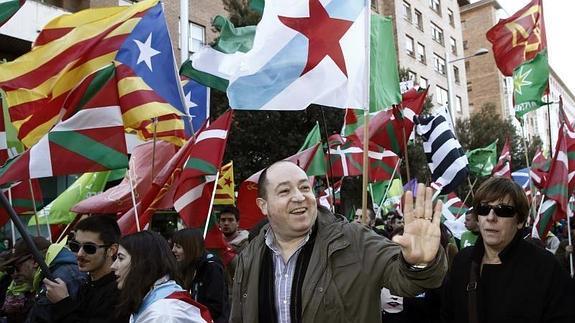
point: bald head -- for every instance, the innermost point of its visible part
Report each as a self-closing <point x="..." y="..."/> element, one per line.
<point x="278" y="166"/>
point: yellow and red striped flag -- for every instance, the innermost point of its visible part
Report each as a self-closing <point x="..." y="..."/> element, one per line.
<point x="72" y="47"/>
<point x="225" y="190"/>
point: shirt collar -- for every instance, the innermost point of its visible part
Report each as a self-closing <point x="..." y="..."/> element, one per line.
<point x="271" y="241"/>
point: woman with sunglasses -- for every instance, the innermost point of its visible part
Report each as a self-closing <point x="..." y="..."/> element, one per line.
<point x="503" y="278"/>
<point x="146" y="271"/>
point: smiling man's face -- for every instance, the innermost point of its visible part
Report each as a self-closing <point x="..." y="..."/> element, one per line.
<point x="289" y="203"/>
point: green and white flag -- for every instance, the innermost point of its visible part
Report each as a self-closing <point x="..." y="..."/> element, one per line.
<point x="482" y="160"/>
<point x="8" y="8"/>
<point x="530" y="81"/>
<point x="58" y="212"/>
<point x="317" y="165"/>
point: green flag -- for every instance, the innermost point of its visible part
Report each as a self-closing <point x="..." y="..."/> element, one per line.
<point x="9" y="8"/>
<point x="482" y="160"/>
<point x="231" y="40"/>
<point x="317" y="166"/>
<point x="58" y="212"/>
<point x="378" y="190"/>
<point x="530" y="80"/>
<point x="384" y="74"/>
<point x="15" y="146"/>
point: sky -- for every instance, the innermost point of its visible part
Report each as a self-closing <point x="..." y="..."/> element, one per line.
<point x="559" y="25"/>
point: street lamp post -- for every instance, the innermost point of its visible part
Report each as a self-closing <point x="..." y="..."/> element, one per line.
<point x="450" y="94"/>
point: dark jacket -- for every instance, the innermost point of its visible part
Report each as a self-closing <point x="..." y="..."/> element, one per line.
<point x="96" y="302"/>
<point x="210" y="288"/>
<point x="348" y="267"/>
<point x="529" y="286"/>
<point x="65" y="267"/>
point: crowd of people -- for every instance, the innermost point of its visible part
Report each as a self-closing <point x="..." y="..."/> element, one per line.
<point x="303" y="264"/>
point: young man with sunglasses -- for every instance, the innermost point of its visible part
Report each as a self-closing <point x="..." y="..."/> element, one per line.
<point x="95" y="244"/>
<point x="503" y="278"/>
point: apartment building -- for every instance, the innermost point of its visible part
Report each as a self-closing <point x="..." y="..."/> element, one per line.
<point x="428" y="40"/>
<point x="16" y="37"/>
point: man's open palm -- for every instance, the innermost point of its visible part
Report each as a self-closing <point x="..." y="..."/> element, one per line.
<point x="421" y="235"/>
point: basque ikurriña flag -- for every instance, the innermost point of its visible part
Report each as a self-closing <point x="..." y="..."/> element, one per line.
<point x="304" y="52"/>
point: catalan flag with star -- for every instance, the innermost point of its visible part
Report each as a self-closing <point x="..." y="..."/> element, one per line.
<point x="225" y="190"/>
<point x="72" y="47"/>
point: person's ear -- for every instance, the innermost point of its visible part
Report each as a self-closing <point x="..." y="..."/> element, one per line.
<point x="263" y="205"/>
<point x="112" y="251"/>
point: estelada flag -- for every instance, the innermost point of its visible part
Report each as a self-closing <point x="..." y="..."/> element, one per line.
<point x="518" y="38"/>
<point x="225" y="190"/>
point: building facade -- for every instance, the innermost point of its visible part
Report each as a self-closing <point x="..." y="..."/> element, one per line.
<point x="428" y="38"/>
<point x="485" y="84"/>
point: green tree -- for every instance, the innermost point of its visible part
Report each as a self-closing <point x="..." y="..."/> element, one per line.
<point x="240" y="13"/>
<point x="484" y="127"/>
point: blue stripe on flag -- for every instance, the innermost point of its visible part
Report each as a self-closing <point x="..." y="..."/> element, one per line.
<point x="252" y="92"/>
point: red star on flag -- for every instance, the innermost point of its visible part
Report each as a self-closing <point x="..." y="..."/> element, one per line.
<point x="323" y="33"/>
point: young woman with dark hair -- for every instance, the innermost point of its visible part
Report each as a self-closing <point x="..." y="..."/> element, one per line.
<point x="146" y="272"/>
<point x="202" y="273"/>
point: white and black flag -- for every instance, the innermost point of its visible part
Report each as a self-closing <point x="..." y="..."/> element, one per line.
<point x="445" y="157"/>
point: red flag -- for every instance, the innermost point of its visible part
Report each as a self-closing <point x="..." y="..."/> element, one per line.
<point x="248" y="192"/>
<point x="518" y="38"/>
<point x="412" y="105"/>
<point x="503" y="167"/>
<point x="205" y="160"/>
<point x="118" y="199"/>
<point x="557" y="186"/>
<point x="539" y="169"/>
<point x="347" y="159"/>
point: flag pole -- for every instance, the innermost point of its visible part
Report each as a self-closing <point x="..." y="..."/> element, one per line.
<point x="137" y="217"/>
<point x="532" y="207"/>
<point x="154" y="140"/>
<point x="26" y="237"/>
<point x="569" y="241"/>
<point x="330" y="171"/>
<point x="11" y="221"/>
<point x="184" y="30"/>
<point x="34" y="207"/>
<point x="389" y="186"/>
<point x="211" y="205"/>
<point x="367" y="50"/>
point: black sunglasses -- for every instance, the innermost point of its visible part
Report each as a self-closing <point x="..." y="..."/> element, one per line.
<point x="501" y="210"/>
<point x="89" y="247"/>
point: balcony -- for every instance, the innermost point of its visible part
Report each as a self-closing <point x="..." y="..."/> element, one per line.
<point x="29" y="20"/>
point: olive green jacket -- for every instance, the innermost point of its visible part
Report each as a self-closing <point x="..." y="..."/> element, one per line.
<point x="348" y="267"/>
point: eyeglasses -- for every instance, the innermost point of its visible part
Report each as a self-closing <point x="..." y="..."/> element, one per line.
<point x="90" y="248"/>
<point x="501" y="210"/>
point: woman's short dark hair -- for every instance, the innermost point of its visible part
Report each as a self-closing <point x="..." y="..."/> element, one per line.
<point x="192" y="241"/>
<point x="496" y="188"/>
<point x="150" y="260"/>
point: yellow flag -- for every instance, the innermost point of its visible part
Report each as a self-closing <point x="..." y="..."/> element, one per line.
<point x="225" y="190"/>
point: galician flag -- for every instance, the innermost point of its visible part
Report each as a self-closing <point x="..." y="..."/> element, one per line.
<point x="530" y="81"/>
<point x="304" y="52"/>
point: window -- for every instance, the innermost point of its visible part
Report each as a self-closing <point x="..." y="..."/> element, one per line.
<point x="409" y="46"/>
<point x="418" y="20"/>
<point x="437" y="33"/>
<point x="197" y="37"/>
<point x="441" y="95"/>
<point x="458" y="106"/>
<point x="407" y="11"/>
<point x="456" y="74"/>
<point x="453" y="45"/>
<point x="421" y="53"/>
<point x="374" y="4"/>
<point x="435" y="5"/>
<point x="467" y="66"/>
<point x="423" y="82"/>
<point x="469" y="87"/>
<point x="451" y="17"/>
<point x="439" y="64"/>
<point x="465" y="46"/>
<point x="411" y="76"/>
<point x="125" y="2"/>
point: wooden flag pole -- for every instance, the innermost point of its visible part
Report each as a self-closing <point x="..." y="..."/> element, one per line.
<point x="26" y="237"/>
<point x="34" y="207"/>
<point x="211" y="205"/>
<point x="367" y="6"/>
<point x="155" y="121"/>
<point x="137" y="217"/>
